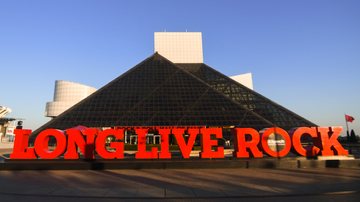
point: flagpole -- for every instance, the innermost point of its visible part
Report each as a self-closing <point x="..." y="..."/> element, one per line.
<point x="347" y="125"/>
<point x="348" y="135"/>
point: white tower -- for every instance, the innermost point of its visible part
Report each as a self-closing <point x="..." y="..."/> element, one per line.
<point x="179" y="47"/>
<point x="186" y="47"/>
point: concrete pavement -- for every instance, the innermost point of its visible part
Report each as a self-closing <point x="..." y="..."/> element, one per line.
<point x="230" y="184"/>
<point x="334" y="184"/>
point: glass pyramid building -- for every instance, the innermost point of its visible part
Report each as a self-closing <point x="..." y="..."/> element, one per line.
<point x="158" y="92"/>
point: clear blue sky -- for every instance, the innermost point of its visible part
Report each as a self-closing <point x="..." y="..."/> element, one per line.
<point x="304" y="55"/>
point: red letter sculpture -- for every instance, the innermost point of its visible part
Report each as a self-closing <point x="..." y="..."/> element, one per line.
<point x="42" y="144"/>
<point x="208" y="143"/>
<point x="296" y="139"/>
<point x="244" y="148"/>
<point x="118" y="146"/>
<point x="21" y="150"/>
<point x="274" y="131"/>
<point x="164" y="134"/>
<point x="142" y="153"/>
<point x="179" y="136"/>
<point x="77" y="140"/>
<point x="329" y="139"/>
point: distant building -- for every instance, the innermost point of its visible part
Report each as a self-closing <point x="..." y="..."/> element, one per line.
<point x="66" y="95"/>
<point x="7" y="127"/>
<point x="4" y="111"/>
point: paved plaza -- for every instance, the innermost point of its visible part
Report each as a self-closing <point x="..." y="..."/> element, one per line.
<point x="326" y="184"/>
<point x="230" y="184"/>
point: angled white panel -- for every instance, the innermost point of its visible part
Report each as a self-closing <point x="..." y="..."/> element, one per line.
<point x="244" y="79"/>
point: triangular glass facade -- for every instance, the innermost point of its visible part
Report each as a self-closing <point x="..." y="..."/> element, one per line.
<point x="248" y="98"/>
<point x="157" y="92"/>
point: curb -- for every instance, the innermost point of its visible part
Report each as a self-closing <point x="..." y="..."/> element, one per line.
<point x="287" y="163"/>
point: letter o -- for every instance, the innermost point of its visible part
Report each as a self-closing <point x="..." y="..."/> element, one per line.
<point x="265" y="145"/>
<point x="42" y="140"/>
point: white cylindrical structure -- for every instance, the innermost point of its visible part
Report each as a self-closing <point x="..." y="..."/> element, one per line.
<point x="66" y="95"/>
